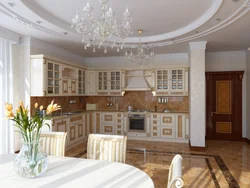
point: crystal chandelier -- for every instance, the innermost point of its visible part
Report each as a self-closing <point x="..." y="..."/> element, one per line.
<point x="97" y="32"/>
<point x="142" y="53"/>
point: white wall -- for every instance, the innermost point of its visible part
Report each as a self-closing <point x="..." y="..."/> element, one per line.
<point x="162" y="60"/>
<point x="248" y="91"/>
<point x="40" y="47"/>
<point x="231" y="61"/>
<point x="21" y="76"/>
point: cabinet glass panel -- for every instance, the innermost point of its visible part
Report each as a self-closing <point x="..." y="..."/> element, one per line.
<point x="57" y="83"/>
<point x="50" y="90"/>
<point x="177" y="79"/>
<point x="56" y="90"/>
<point x="50" y="82"/>
<point x="50" y="66"/>
<point x="56" y="75"/>
<point x="50" y="74"/>
<point x="162" y="80"/>
<point x="56" y="67"/>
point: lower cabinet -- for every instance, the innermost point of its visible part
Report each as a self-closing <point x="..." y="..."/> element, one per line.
<point x="76" y="126"/>
<point x="172" y="126"/>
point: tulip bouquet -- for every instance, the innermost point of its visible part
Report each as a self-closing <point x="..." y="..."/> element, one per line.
<point x="30" y="128"/>
<point x="31" y="160"/>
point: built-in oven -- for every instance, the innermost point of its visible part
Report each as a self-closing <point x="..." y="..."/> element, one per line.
<point x="136" y="122"/>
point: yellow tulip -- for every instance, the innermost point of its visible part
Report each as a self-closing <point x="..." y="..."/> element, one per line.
<point x="8" y="106"/>
<point x="21" y="104"/>
<point x="52" y="107"/>
<point x="41" y="107"/>
<point x="8" y="111"/>
<point x="36" y="105"/>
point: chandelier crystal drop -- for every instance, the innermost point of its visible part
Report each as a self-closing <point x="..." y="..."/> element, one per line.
<point x="97" y="32"/>
<point x="142" y="54"/>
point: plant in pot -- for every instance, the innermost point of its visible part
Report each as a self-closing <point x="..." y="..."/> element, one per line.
<point x="32" y="160"/>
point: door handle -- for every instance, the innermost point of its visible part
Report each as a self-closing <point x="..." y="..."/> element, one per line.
<point x="212" y="113"/>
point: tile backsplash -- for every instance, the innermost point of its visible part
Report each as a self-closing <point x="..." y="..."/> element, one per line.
<point x="138" y="99"/>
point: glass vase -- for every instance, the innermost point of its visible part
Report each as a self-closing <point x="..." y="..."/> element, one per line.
<point x="31" y="161"/>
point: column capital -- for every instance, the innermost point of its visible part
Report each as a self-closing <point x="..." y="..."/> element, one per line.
<point x="201" y="45"/>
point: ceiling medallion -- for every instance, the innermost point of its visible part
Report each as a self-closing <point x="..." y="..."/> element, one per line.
<point x="142" y="53"/>
<point x="96" y="31"/>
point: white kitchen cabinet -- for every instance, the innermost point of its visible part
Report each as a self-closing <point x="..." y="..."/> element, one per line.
<point x="76" y="129"/>
<point x="119" y="124"/>
<point x="91" y="86"/>
<point x="109" y="83"/>
<point x="81" y="82"/>
<point x="163" y="125"/>
<point x="45" y="77"/>
<point x="171" y="82"/>
<point x="69" y="80"/>
<point x="107" y="123"/>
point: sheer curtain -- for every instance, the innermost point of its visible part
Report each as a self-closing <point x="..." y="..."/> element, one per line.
<point x="6" y="95"/>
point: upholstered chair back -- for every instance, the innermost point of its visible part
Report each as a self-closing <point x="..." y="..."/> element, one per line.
<point x="53" y="143"/>
<point x="107" y="147"/>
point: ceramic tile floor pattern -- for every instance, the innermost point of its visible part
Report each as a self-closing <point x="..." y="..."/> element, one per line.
<point x="224" y="164"/>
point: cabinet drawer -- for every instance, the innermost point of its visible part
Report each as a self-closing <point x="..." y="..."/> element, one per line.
<point x="119" y="121"/>
<point x="155" y="134"/>
<point x="155" y="122"/>
<point x="119" y="127"/>
<point x="108" y="129"/>
<point x="155" y="129"/>
<point x="155" y="116"/>
<point x="108" y="118"/>
<point x="167" y="132"/>
<point x="119" y="132"/>
<point x="167" y="120"/>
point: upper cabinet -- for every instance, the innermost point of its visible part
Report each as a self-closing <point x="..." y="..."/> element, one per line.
<point x="81" y="82"/>
<point x="91" y="83"/>
<point x="172" y="82"/>
<point x="109" y="83"/>
<point x="69" y="80"/>
<point x="45" y="77"/>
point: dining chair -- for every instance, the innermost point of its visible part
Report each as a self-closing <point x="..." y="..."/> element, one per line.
<point x="107" y="147"/>
<point x="53" y="143"/>
<point x="175" y="173"/>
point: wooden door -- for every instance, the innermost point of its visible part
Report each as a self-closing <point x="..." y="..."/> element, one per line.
<point x="224" y="105"/>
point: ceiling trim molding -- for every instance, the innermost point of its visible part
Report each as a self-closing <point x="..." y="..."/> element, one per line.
<point x="184" y="30"/>
<point x="25" y="21"/>
<point x="244" y="9"/>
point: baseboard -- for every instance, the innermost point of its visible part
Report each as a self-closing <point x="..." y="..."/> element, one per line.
<point x="195" y="148"/>
<point x="246" y="140"/>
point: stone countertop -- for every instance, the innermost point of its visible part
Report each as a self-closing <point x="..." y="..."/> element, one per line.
<point x="55" y="117"/>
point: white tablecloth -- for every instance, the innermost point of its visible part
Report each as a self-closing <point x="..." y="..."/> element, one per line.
<point x="74" y="172"/>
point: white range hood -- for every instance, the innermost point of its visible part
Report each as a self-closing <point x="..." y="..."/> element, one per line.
<point x="137" y="82"/>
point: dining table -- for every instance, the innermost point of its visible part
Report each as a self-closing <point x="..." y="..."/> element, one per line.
<point x="76" y="172"/>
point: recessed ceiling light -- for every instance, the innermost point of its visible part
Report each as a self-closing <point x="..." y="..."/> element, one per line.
<point x="219" y="19"/>
<point x="39" y="22"/>
<point x="11" y="4"/>
<point x="65" y="33"/>
<point x="248" y="49"/>
<point x="197" y="31"/>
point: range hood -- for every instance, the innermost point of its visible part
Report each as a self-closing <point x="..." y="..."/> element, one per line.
<point x="137" y="82"/>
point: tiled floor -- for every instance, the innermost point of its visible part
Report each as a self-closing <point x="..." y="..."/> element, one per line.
<point x="224" y="164"/>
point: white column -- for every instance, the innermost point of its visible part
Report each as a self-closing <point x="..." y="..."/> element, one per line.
<point x="197" y="100"/>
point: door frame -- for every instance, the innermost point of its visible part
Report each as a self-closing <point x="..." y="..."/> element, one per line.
<point x="237" y="97"/>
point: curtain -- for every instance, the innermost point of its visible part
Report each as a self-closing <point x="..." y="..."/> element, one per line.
<point x="6" y="95"/>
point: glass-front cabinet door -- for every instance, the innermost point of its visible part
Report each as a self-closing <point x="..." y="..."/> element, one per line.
<point x="177" y="80"/>
<point x="81" y="82"/>
<point x="162" y="80"/>
<point x="102" y="81"/>
<point x="53" y="78"/>
<point x="115" y="80"/>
